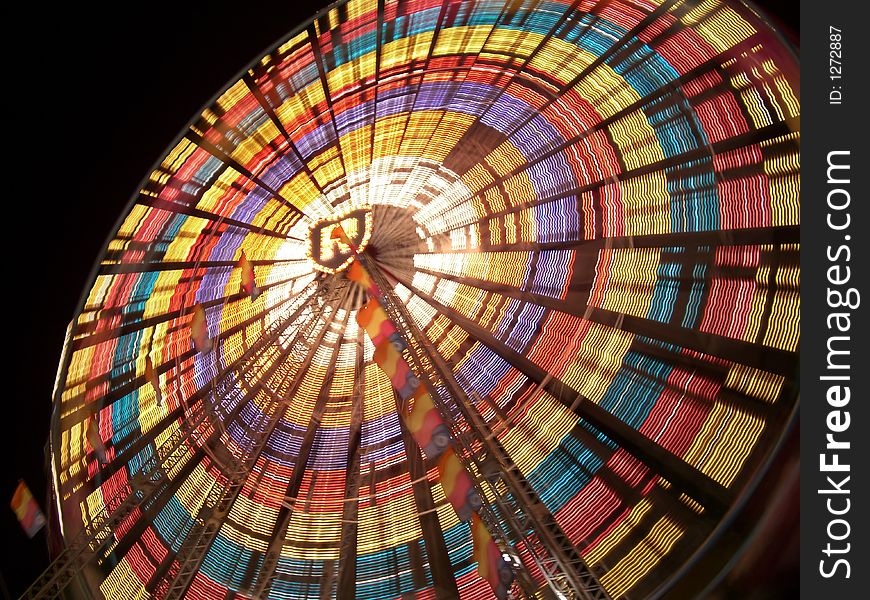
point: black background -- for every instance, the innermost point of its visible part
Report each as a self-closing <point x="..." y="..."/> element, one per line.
<point x="94" y="96"/>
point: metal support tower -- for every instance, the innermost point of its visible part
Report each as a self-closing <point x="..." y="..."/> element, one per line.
<point x="346" y="588"/>
<point x="220" y="498"/>
<point x="214" y="510"/>
<point x="151" y="482"/>
<point x="530" y="523"/>
<point x="266" y="573"/>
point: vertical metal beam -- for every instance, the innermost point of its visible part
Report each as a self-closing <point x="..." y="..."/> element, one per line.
<point x="350" y="511"/>
<point x="266" y="573"/>
<point x="436" y="549"/>
<point x="221" y="498"/>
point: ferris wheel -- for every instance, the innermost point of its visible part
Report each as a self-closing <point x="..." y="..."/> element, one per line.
<point x="444" y="299"/>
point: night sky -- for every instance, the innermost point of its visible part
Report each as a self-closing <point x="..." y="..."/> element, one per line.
<point x="94" y="99"/>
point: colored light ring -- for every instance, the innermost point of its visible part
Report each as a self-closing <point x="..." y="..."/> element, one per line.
<point x="649" y="160"/>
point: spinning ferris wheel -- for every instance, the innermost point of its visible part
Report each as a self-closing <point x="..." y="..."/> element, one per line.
<point x="575" y="227"/>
